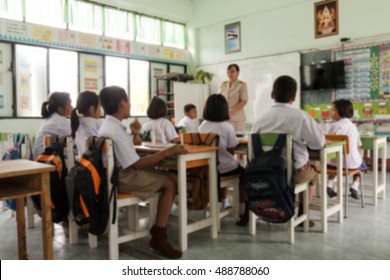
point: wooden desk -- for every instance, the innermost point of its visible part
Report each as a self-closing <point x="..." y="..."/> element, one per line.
<point x="196" y="156"/>
<point x="22" y="178"/>
<point x="375" y="143"/>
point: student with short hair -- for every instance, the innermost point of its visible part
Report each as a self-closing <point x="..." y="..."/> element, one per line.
<point x="134" y="177"/>
<point x="341" y="113"/>
<point x="164" y="130"/>
<point x="85" y="119"/>
<point x="54" y="112"/>
<point x="216" y="120"/>
<point x="285" y="119"/>
<point x="188" y="121"/>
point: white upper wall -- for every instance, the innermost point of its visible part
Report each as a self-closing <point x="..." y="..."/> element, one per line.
<point x="272" y="27"/>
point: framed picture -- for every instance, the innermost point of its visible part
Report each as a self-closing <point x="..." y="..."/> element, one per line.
<point x="232" y="37"/>
<point x="326" y="18"/>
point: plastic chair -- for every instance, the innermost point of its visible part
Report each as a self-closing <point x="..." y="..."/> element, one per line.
<point x="346" y="172"/>
<point x="268" y="140"/>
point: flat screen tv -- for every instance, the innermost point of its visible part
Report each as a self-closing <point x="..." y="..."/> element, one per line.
<point x="329" y="75"/>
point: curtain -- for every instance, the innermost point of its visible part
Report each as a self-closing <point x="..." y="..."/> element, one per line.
<point x="119" y="24"/>
<point x="53" y="13"/>
<point x="11" y="9"/>
<point x="85" y="17"/>
<point x="148" y="29"/>
<point x="174" y="34"/>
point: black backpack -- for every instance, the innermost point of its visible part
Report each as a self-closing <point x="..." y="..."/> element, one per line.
<point x="86" y="187"/>
<point x="54" y="155"/>
<point x="269" y="195"/>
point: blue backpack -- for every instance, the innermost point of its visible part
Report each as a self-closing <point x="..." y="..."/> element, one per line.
<point x="12" y="153"/>
<point x="269" y="195"/>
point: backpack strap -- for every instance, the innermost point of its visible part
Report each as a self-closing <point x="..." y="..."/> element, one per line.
<point x="256" y="143"/>
<point x="280" y="143"/>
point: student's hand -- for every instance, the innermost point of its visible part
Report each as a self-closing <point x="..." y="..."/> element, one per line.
<point x="176" y="149"/>
<point x="135" y="126"/>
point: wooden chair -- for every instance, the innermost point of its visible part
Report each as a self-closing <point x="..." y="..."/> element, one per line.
<point x="129" y="201"/>
<point x="346" y="172"/>
<point x="268" y="140"/>
<point x="231" y="182"/>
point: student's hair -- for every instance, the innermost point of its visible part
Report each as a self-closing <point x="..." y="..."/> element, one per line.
<point x="56" y="100"/>
<point x="110" y="97"/>
<point x="284" y="89"/>
<point x="157" y="108"/>
<point x="344" y="108"/>
<point x="233" y="66"/>
<point x="189" y="107"/>
<point x="216" y="108"/>
<point x="85" y="100"/>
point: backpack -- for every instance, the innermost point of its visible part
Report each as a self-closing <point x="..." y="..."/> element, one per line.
<point x="86" y="186"/>
<point x="13" y="153"/>
<point x="269" y="195"/>
<point x="54" y="155"/>
<point x="198" y="178"/>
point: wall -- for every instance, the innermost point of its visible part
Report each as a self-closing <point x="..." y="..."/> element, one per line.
<point x="272" y="27"/>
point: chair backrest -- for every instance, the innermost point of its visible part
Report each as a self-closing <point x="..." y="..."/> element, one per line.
<point x="6" y="142"/>
<point x="195" y="138"/>
<point x="68" y="150"/>
<point x="341" y="138"/>
<point x="268" y="140"/>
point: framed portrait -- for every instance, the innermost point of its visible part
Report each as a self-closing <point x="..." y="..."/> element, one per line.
<point x="232" y="37"/>
<point x="326" y="18"/>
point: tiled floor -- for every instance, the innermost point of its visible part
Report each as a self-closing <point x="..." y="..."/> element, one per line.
<point x="364" y="235"/>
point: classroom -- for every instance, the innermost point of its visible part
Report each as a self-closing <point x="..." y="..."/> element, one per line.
<point x="139" y="53"/>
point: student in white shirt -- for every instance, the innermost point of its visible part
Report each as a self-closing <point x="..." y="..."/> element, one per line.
<point x="164" y="130"/>
<point x="341" y="113"/>
<point x="216" y="120"/>
<point x="54" y="112"/>
<point x="283" y="118"/>
<point x="84" y="119"/>
<point x="133" y="176"/>
<point x="189" y="120"/>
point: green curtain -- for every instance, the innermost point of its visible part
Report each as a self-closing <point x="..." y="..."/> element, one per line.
<point x="53" y="14"/>
<point x="118" y="23"/>
<point x="174" y="33"/>
<point x="12" y="9"/>
<point x="85" y="17"/>
<point x="148" y="29"/>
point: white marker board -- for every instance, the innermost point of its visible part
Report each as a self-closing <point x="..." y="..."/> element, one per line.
<point x="259" y="74"/>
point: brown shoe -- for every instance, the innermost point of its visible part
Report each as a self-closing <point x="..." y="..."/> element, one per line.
<point x="159" y="243"/>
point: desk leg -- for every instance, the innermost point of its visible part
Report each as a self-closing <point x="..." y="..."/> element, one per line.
<point x="47" y="229"/>
<point x="21" y="224"/>
<point x="182" y="190"/>
<point x="384" y="169"/>
<point x="213" y="192"/>
<point x="375" y="172"/>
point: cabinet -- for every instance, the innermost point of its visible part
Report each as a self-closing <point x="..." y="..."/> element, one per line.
<point x="164" y="90"/>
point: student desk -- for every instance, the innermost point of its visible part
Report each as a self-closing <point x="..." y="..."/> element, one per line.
<point x="196" y="156"/>
<point x="376" y="143"/>
<point x="22" y="178"/>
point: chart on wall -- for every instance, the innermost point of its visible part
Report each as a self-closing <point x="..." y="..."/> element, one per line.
<point x="259" y="74"/>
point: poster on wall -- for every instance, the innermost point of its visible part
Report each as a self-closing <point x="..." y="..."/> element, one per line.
<point x="16" y="29"/>
<point x="88" y="41"/>
<point x="106" y="43"/>
<point x="66" y="37"/>
<point x="90" y="66"/>
<point x="154" y="51"/>
<point x="42" y="33"/>
<point x="326" y="19"/>
<point x="1" y="101"/>
<point x="384" y="72"/>
<point x="232" y="37"/>
<point x="24" y="102"/>
<point x="139" y="49"/>
<point x="91" y="84"/>
<point x="168" y="53"/>
<point x="122" y="46"/>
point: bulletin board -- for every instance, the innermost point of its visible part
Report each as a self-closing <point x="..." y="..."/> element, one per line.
<point x="367" y="75"/>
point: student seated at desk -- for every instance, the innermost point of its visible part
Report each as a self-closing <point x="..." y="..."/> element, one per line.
<point x="164" y="130"/>
<point x="132" y="176"/>
<point x="216" y="120"/>
<point x="84" y="119"/>
<point x="285" y="119"/>
<point x="189" y="120"/>
<point x="54" y="112"/>
<point x="341" y="113"/>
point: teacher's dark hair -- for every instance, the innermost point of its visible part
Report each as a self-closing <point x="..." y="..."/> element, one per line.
<point x="233" y="66"/>
<point x="216" y="108"/>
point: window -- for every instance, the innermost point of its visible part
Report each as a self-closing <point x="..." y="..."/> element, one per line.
<point x="148" y="30"/>
<point x="63" y="74"/>
<point x="174" y="35"/>
<point x="5" y="80"/>
<point x="11" y="9"/>
<point x="139" y="87"/>
<point x="91" y="72"/>
<point x="118" y="24"/>
<point x="117" y="72"/>
<point x="85" y="17"/>
<point x="31" y="80"/>
<point x="53" y="13"/>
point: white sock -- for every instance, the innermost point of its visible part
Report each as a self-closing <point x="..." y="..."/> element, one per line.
<point x="330" y="184"/>
<point x="242" y="208"/>
<point x="226" y="203"/>
<point x="355" y="185"/>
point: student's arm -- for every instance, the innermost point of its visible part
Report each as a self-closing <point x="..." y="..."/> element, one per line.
<point x="238" y="106"/>
<point x="243" y="99"/>
<point x="135" y="128"/>
<point x="157" y="157"/>
<point x="312" y="133"/>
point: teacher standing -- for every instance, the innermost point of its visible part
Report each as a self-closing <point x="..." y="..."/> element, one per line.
<point x="236" y="94"/>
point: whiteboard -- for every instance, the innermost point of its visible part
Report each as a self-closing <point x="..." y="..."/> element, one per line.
<point x="259" y="74"/>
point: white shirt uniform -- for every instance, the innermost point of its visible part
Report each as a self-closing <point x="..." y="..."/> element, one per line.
<point x="188" y="123"/>
<point x="227" y="139"/>
<point x="88" y="127"/>
<point x="53" y="125"/>
<point x="283" y="118"/>
<point x="346" y="127"/>
<point x="124" y="150"/>
<point x="163" y="129"/>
